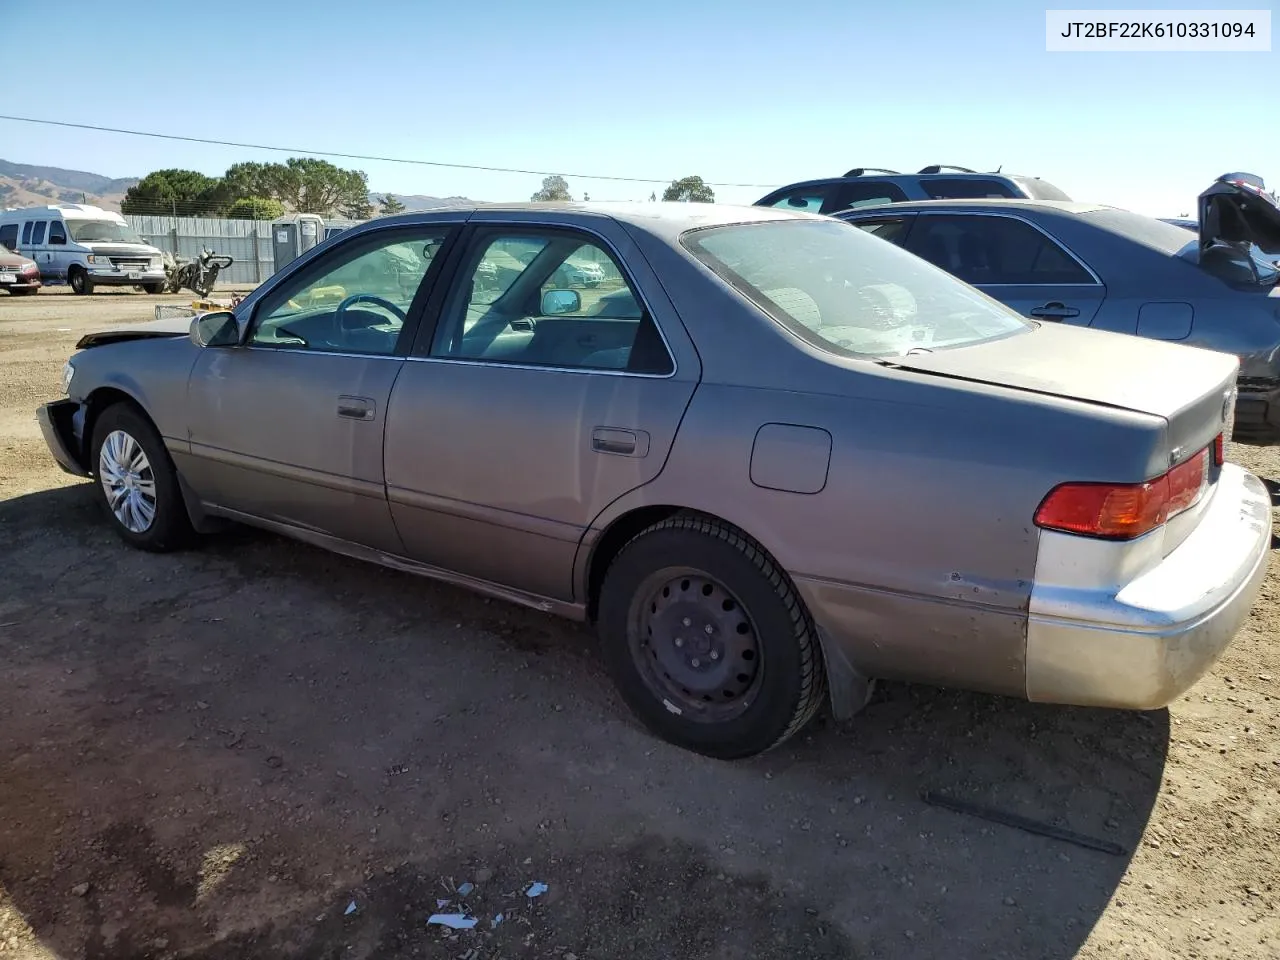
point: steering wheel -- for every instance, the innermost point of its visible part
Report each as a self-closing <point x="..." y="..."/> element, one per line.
<point x="363" y="298"/>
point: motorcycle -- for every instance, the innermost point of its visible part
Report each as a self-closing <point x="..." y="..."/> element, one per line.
<point x="198" y="275"/>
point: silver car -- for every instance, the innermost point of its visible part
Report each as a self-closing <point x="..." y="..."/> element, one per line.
<point x="781" y="459"/>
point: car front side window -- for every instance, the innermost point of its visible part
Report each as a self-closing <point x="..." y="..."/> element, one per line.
<point x="808" y="199"/>
<point x="57" y="234"/>
<point x="547" y="298"/>
<point x="994" y="250"/>
<point x="356" y="299"/>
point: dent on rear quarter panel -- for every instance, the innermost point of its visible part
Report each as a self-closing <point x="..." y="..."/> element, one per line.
<point x="917" y="554"/>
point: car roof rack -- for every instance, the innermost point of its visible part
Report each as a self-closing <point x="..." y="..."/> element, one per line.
<point x="939" y="167"/>
<point x="859" y="171"/>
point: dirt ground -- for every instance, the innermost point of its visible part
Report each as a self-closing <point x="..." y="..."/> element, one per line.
<point x="214" y="754"/>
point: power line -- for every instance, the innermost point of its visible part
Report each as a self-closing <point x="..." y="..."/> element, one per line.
<point x="359" y="156"/>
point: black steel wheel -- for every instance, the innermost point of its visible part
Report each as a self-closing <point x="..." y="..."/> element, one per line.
<point x="694" y="644"/>
<point x="707" y="639"/>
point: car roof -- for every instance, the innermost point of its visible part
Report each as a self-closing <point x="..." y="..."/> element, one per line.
<point x="993" y="203"/>
<point x="667" y="219"/>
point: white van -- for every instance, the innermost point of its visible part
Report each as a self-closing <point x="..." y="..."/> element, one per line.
<point x="84" y="246"/>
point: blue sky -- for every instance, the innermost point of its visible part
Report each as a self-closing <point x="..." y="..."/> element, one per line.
<point x="739" y="92"/>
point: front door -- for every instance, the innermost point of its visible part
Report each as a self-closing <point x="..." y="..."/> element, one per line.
<point x="536" y="402"/>
<point x="1013" y="261"/>
<point x="289" y="426"/>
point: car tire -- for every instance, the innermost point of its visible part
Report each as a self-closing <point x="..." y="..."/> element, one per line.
<point x="150" y="487"/>
<point x="81" y="282"/>
<point x="153" y="288"/>
<point x="749" y="674"/>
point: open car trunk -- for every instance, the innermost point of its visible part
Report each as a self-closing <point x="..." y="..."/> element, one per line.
<point x="1236" y="208"/>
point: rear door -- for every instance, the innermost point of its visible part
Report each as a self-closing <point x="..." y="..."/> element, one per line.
<point x="37" y="250"/>
<point x="1013" y="260"/>
<point x="51" y="263"/>
<point x="530" y="408"/>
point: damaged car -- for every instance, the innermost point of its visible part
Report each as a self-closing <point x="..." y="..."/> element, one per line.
<point x="781" y="460"/>
<point x="1098" y="266"/>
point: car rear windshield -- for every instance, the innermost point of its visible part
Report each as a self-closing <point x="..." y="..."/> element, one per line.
<point x="846" y="291"/>
<point x="1042" y="189"/>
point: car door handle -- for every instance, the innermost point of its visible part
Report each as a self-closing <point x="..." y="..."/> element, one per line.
<point x="1054" y="310"/>
<point x="626" y="443"/>
<point x="356" y="408"/>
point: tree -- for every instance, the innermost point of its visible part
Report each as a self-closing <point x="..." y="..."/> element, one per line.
<point x="255" y="208"/>
<point x="300" y="184"/>
<point x="689" y="190"/>
<point x="186" y="193"/>
<point x="304" y="185"/>
<point x="553" y="188"/>
<point x="391" y="205"/>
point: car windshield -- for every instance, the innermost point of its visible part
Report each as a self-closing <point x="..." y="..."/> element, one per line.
<point x="848" y="292"/>
<point x="90" y="231"/>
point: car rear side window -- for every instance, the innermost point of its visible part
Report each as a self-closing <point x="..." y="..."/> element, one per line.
<point x="37" y="234"/>
<point x="26" y="233"/>
<point x="956" y="188"/>
<point x="868" y="193"/>
<point x="893" y="229"/>
<point x="847" y="293"/>
<point x="548" y="298"/>
<point x="994" y="250"/>
<point x="1043" y="190"/>
<point x="9" y="236"/>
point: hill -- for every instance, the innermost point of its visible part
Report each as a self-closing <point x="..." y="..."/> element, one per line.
<point x="418" y="201"/>
<point x="28" y="185"/>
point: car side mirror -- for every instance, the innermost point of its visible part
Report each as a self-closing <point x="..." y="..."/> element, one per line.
<point x="560" y="301"/>
<point x="216" y="329"/>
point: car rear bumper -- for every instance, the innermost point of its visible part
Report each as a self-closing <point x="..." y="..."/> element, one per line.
<point x="1257" y="412"/>
<point x="58" y="424"/>
<point x="1144" y="645"/>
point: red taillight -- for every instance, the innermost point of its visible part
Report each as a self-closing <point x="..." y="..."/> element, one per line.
<point x="1219" y="452"/>
<point x="1124" y="511"/>
<point x="1187" y="482"/>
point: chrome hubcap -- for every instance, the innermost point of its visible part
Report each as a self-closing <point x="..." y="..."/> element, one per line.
<point x="128" y="481"/>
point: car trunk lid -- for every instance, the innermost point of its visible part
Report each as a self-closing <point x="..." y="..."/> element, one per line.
<point x="1192" y="389"/>
<point x="1236" y="208"/>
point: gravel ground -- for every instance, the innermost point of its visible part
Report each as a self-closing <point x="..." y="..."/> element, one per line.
<point x="213" y="754"/>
